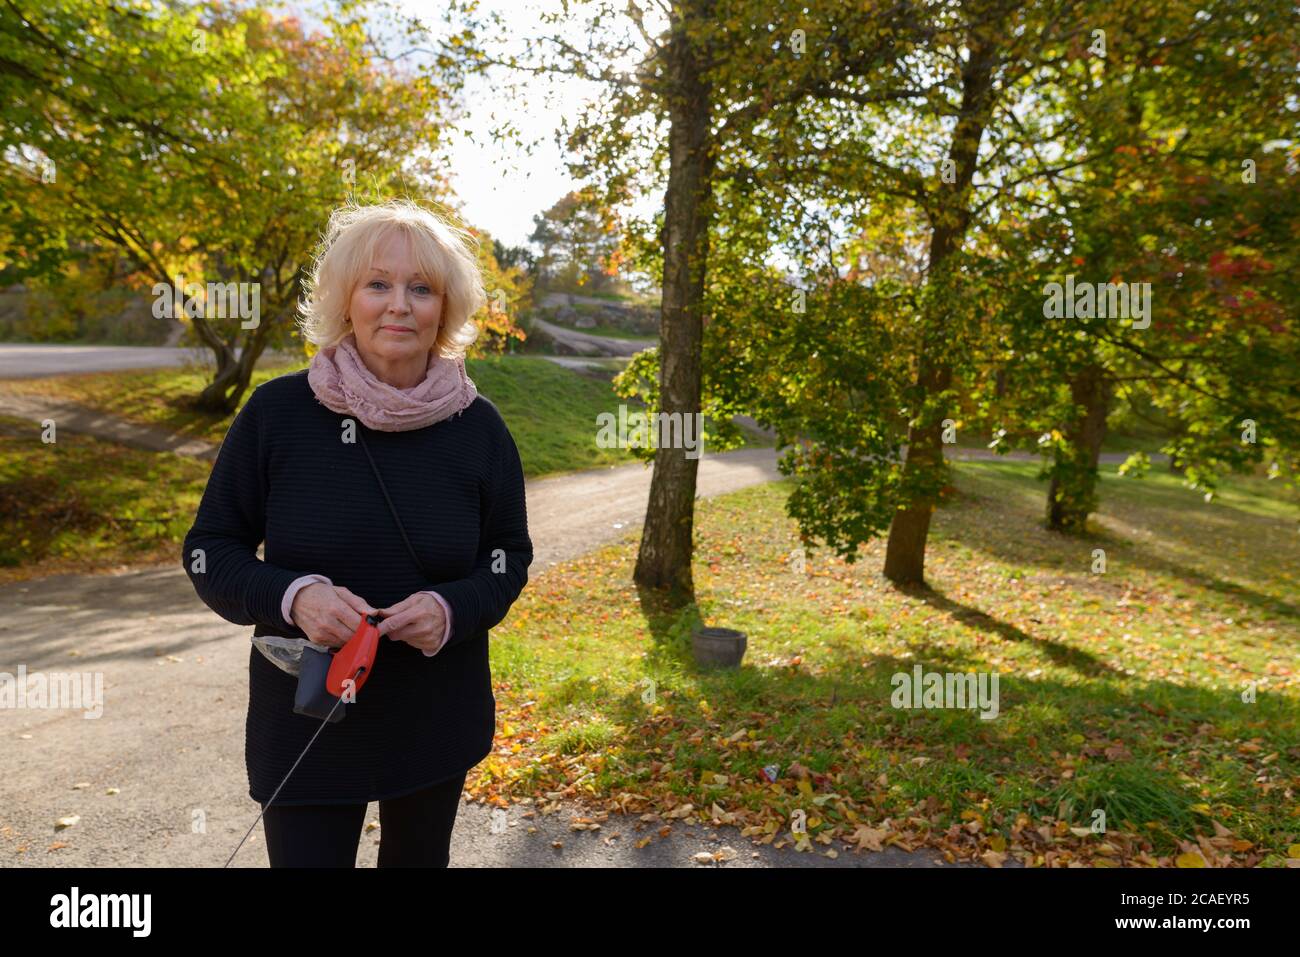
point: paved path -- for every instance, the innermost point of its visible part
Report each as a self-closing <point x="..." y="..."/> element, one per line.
<point x="35" y="361"/>
<point x="589" y="365"/>
<point x="585" y="344"/>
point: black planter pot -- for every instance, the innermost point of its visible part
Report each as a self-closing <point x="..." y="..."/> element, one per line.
<point x="718" y="647"/>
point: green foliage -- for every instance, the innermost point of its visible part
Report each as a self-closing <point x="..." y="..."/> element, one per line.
<point x="509" y="295"/>
<point x="579" y="239"/>
<point x="1094" y="178"/>
<point x="217" y="156"/>
<point x="837" y="417"/>
<point x="1163" y="199"/>
<point x="639" y="382"/>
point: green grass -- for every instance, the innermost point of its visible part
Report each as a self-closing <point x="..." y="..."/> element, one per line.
<point x="1120" y="692"/>
<point x="82" y="505"/>
<point x="551" y="411"/>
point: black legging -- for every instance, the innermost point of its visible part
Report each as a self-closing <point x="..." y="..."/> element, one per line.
<point x="414" y="830"/>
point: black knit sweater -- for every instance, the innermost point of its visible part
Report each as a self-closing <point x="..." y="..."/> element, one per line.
<point x="286" y="475"/>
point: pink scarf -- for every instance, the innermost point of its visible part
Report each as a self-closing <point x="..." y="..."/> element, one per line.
<point x="342" y="382"/>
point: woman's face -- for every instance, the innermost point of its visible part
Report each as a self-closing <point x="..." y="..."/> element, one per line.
<point x="395" y="315"/>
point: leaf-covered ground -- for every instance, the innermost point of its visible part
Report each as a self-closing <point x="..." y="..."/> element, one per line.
<point x="1120" y="691"/>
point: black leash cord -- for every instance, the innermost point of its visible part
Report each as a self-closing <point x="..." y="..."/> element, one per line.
<point x="360" y="671"/>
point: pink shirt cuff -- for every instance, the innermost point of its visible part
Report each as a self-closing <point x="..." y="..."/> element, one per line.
<point x="447" y="614"/>
<point x="297" y="585"/>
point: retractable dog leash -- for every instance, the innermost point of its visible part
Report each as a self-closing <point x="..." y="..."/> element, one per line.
<point x="355" y="661"/>
<point x="349" y="669"/>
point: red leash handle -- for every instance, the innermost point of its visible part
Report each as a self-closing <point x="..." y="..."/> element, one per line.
<point x="356" y="659"/>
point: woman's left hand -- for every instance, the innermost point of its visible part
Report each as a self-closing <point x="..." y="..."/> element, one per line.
<point x="417" y="620"/>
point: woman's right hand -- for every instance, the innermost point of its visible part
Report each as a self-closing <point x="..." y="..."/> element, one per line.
<point x="329" y="614"/>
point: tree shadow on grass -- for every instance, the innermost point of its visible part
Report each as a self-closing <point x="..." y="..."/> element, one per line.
<point x="1060" y="654"/>
<point x="840" y="719"/>
<point x="1159" y="509"/>
<point x="1007" y="551"/>
<point x="1248" y="596"/>
<point x="670" y="624"/>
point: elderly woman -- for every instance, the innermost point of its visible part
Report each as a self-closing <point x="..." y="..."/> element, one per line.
<point x="436" y="544"/>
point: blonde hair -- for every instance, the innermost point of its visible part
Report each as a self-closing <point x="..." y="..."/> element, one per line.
<point x="443" y="252"/>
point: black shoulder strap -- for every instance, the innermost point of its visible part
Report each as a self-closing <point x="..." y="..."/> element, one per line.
<point x="418" y="564"/>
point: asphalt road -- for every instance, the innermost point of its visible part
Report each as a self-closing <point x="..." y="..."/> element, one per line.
<point x="24" y="361"/>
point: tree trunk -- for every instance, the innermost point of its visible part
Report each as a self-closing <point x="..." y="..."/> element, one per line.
<point x="233" y="374"/>
<point x="910" y="528"/>
<point x="667" y="538"/>
<point x="1071" y="494"/>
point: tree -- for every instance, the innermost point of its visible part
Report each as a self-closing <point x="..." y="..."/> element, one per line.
<point x="509" y="288"/>
<point x="510" y="257"/>
<point x="1164" y="201"/>
<point x="893" y="352"/>
<point x="579" y="239"/>
<point x="702" y="78"/>
<point x="216" y="158"/>
<point x="926" y="163"/>
<point x="910" y="526"/>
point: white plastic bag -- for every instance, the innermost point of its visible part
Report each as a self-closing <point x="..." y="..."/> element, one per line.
<point x="285" y="653"/>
